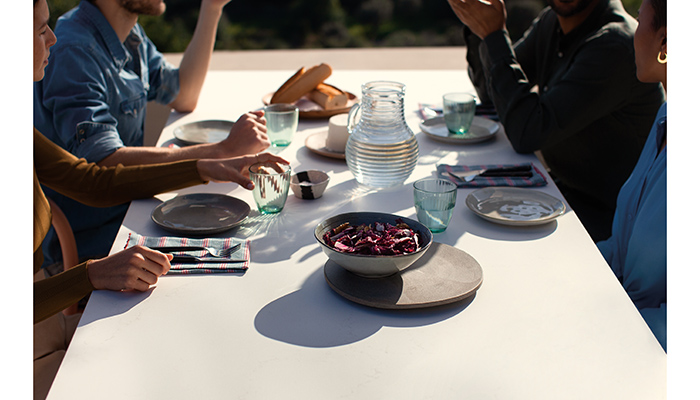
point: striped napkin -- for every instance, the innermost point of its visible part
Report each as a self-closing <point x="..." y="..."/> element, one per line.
<point x="202" y="268"/>
<point x="537" y="178"/>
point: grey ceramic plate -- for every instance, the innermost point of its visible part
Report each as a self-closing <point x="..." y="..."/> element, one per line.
<point x="514" y="206"/>
<point x="200" y="213"/>
<point x="482" y="129"/>
<point x="443" y="275"/>
<point x="200" y="132"/>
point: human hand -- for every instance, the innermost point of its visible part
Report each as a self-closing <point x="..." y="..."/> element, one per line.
<point x="234" y="169"/>
<point x="482" y="17"/>
<point x="248" y="135"/>
<point x="136" y="268"/>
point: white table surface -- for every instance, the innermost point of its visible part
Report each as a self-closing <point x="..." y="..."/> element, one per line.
<point x="549" y="322"/>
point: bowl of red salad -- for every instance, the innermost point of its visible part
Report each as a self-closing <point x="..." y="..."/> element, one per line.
<point x="373" y="244"/>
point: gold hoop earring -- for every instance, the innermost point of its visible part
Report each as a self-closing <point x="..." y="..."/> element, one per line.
<point x="665" y="59"/>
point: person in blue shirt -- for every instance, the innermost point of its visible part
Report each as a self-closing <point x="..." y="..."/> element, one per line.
<point x="636" y="251"/>
<point x="92" y="102"/>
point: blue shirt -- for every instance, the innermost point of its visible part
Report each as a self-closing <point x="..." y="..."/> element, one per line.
<point x="92" y="101"/>
<point x="636" y="251"/>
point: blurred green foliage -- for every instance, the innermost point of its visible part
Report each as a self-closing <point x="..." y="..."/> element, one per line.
<point x="275" y="24"/>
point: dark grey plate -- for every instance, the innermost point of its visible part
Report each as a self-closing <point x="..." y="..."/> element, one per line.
<point x="200" y="132"/>
<point x="200" y="213"/>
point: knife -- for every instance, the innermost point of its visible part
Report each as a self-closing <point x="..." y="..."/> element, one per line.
<point x="515" y="171"/>
<point x="187" y="259"/>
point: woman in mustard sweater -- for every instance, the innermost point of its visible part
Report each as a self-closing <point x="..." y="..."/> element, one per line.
<point x="136" y="268"/>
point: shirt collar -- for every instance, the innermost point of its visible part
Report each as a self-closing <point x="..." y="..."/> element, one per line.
<point x="116" y="49"/>
<point x="590" y="24"/>
<point x="661" y="128"/>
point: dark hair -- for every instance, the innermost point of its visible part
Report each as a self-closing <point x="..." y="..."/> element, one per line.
<point x="659" y="7"/>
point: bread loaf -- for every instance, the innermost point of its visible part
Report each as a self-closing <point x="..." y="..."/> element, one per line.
<point x="329" y="97"/>
<point x="301" y="83"/>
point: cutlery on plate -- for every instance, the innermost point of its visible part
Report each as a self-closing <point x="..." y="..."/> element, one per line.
<point x="225" y="253"/>
<point x="187" y="259"/>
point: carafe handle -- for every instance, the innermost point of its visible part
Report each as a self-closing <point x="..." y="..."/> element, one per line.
<point x="352" y="116"/>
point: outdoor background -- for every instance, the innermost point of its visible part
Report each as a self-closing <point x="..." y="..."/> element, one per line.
<point x="298" y="24"/>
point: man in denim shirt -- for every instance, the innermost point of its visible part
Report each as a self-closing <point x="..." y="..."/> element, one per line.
<point x="92" y="102"/>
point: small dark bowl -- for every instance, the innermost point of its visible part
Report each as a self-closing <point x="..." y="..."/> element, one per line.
<point x="309" y="185"/>
<point x="370" y="266"/>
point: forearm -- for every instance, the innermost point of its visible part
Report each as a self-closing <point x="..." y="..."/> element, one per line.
<point x="147" y="155"/>
<point x="51" y="295"/>
<point x="475" y="67"/>
<point x="195" y="61"/>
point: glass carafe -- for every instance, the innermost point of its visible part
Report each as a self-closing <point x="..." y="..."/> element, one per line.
<point x="382" y="151"/>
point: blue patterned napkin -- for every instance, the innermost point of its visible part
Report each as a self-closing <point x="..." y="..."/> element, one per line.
<point x="202" y="268"/>
<point x="537" y="178"/>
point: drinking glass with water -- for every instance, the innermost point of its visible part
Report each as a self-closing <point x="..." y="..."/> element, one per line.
<point x="434" y="200"/>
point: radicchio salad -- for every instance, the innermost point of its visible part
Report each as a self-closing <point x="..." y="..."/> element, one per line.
<point x="373" y="239"/>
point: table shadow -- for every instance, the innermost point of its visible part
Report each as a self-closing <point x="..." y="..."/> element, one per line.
<point x="112" y="303"/>
<point x="315" y="316"/>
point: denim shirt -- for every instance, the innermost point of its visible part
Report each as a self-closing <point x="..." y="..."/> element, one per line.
<point x="92" y="101"/>
<point x="93" y="97"/>
<point x="636" y="251"/>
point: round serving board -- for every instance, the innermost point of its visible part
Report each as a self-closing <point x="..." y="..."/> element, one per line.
<point x="443" y="275"/>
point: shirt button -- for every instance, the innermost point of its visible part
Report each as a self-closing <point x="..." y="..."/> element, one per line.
<point x="560" y="54"/>
<point x="82" y="140"/>
<point x="546" y="88"/>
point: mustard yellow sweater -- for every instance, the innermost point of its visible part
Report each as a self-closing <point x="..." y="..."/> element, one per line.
<point x="95" y="186"/>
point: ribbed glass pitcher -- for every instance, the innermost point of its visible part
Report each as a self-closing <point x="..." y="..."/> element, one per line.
<point x="382" y="151"/>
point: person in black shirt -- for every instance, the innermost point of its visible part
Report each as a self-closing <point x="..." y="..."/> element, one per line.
<point x="567" y="89"/>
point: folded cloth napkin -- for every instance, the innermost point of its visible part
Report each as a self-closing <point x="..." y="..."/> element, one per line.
<point x="243" y="252"/>
<point x="537" y="178"/>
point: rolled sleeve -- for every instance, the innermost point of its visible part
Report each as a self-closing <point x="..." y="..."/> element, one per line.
<point x="96" y="141"/>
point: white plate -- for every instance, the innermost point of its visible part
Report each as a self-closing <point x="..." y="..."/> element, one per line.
<point x="200" y="132"/>
<point x="482" y="129"/>
<point x="515" y="206"/>
<point x="200" y="213"/>
<point x="317" y="143"/>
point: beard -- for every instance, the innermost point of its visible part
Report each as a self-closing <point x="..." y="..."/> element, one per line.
<point x="571" y="8"/>
<point x="143" y="7"/>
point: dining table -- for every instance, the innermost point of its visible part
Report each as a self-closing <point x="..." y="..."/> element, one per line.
<point x="549" y="320"/>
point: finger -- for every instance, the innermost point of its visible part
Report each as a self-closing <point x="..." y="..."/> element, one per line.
<point x="155" y="262"/>
<point x="269" y="157"/>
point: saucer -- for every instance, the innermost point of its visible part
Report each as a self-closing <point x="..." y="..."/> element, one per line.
<point x="317" y="143"/>
<point x="482" y="129"/>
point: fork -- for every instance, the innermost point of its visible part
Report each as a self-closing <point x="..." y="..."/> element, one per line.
<point x="225" y="253"/>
